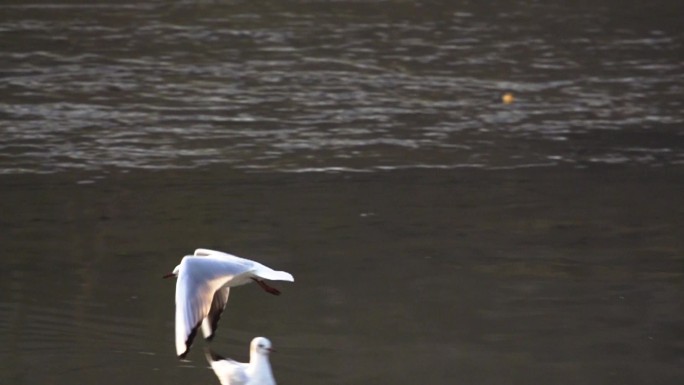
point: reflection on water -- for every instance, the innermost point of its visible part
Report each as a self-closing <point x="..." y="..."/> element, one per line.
<point x="357" y="86"/>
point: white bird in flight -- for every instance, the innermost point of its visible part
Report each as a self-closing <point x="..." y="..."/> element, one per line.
<point x="203" y="286"/>
<point x="256" y="372"/>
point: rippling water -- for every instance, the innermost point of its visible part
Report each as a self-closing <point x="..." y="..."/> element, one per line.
<point x="338" y="85"/>
<point x="537" y="242"/>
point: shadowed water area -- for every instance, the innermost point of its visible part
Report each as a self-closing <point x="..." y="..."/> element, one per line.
<point x="436" y="234"/>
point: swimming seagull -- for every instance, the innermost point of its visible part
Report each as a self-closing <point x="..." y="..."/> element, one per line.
<point x="256" y="372"/>
<point x="204" y="282"/>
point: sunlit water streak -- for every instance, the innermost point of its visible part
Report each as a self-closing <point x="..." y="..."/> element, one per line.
<point x="272" y="87"/>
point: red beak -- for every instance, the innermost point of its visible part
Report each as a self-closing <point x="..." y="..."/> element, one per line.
<point x="169" y="275"/>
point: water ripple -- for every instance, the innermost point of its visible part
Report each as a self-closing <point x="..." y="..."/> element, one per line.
<point x="310" y="89"/>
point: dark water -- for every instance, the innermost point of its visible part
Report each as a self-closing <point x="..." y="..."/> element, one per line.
<point x="437" y="235"/>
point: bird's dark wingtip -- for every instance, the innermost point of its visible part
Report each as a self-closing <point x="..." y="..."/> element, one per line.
<point x="188" y="341"/>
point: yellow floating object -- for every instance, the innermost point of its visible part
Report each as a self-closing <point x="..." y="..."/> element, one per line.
<point x="507" y="98"/>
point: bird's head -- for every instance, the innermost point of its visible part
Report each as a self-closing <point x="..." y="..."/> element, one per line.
<point x="261" y="345"/>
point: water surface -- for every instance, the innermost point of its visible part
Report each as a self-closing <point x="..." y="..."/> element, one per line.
<point x="342" y="85"/>
<point x="436" y="234"/>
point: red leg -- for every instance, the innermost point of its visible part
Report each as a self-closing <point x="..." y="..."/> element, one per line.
<point x="268" y="289"/>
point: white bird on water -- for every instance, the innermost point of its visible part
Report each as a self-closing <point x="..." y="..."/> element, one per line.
<point x="203" y="286"/>
<point x="256" y="372"/>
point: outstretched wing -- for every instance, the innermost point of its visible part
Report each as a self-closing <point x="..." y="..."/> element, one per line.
<point x="198" y="281"/>
<point x="210" y="323"/>
<point x="192" y="306"/>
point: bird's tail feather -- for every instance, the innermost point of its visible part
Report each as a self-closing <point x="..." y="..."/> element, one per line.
<point x="273" y="275"/>
<point x="212" y="356"/>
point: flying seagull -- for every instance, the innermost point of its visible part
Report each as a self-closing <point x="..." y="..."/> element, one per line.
<point x="203" y="286"/>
